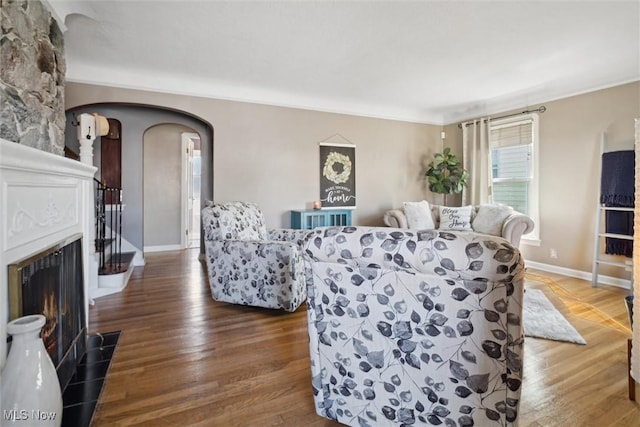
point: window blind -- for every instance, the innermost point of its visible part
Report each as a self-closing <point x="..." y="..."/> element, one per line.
<point x="511" y="134"/>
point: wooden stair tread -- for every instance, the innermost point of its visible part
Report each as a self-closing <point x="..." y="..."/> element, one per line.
<point x="125" y="260"/>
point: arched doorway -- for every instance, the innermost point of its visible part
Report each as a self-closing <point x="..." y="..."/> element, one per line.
<point x="168" y="187"/>
<point x="136" y="119"/>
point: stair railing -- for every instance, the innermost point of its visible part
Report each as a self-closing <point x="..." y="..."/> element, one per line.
<point x="108" y="228"/>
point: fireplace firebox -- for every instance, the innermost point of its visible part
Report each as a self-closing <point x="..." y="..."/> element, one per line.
<point x="51" y="283"/>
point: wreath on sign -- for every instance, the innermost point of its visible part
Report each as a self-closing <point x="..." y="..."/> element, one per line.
<point x="337" y="159"/>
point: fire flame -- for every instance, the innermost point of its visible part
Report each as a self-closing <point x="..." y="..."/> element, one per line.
<point x="50" y="312"/>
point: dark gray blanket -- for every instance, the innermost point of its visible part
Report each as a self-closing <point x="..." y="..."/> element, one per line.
<point x="617" y="189"/>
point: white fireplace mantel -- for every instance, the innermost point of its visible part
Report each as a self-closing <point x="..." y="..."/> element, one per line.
<point x="44" y="199"/>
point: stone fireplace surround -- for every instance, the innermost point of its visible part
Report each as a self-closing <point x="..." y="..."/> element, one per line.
<point x="44" y="199"/>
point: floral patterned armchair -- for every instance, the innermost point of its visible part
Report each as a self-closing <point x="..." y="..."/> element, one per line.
<point x="414" y="327"/>
<point x="249" y="265"/>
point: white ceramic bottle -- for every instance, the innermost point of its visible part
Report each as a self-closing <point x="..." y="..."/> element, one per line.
<point x="30" y="388"/>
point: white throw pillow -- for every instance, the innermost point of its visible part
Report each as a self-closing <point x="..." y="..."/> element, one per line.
<point x="490" y="218"/>
<point x="418" y="215"/>
<point x="455" y="218"/>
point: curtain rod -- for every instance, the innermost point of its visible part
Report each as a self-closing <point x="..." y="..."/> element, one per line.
<point x="540" y="109"/>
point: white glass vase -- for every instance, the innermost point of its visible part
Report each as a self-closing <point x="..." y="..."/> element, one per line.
<point x="30" y="388"/>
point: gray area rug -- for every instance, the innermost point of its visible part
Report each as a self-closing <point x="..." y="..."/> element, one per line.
<point x="542" y="320"/>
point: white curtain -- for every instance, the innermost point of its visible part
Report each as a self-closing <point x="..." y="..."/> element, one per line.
<point x="635" y="355"/>
<point x="477" y="161"/>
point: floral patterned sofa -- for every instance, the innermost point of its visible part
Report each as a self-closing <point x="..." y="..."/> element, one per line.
<point x="249" y="265"/>
<point x="414" y="327"/>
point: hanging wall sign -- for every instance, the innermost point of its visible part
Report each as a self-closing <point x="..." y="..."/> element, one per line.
<point x="337" y="175"/>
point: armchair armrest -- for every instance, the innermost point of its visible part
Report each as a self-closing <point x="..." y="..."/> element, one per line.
<point x="395" y="218"/>
<point x="296" y="236"/>
<point x="515" y="226"/>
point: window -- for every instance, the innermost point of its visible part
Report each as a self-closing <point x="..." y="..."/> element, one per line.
<point x="513" y="144"/>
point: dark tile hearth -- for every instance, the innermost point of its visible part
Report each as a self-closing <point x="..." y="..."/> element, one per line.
<point x="80" y="397"/>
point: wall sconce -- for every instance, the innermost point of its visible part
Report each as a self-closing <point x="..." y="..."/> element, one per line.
<point x="92" y="126"/>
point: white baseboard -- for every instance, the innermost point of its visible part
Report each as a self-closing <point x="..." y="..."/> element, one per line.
<point x="602" y="279"/>
<point x="138" y="260"/>
<point x="163" y="248"/>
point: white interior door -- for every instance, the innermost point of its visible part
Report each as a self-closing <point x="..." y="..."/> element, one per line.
<point x="187" y="188"/>
<point x="194" y="217"/>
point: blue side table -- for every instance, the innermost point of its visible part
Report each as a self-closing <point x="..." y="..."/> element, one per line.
<point x="311" y="218"/>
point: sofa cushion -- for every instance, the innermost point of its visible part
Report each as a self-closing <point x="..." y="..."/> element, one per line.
<point x="490" y="218"/>
<point x="418" y="215"/>
<point x="455" y="218"/>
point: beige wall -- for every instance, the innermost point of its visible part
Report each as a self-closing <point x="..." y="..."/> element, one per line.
<point x="269" y="155"/>
<point x="570" y="134"/>
<point x="162" y="163"/>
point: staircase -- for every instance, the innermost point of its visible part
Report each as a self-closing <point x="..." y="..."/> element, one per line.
<point x="114" y="266"/>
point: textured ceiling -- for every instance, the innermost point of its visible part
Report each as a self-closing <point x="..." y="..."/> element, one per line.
<point x="424" y="61"/>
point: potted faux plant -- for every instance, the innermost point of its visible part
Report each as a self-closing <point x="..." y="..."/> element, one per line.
<point x="445" y="174"/>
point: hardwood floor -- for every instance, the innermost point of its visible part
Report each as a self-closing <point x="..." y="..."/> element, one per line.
<point x="574" y="385"/>
<point x="186" y="360"/>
